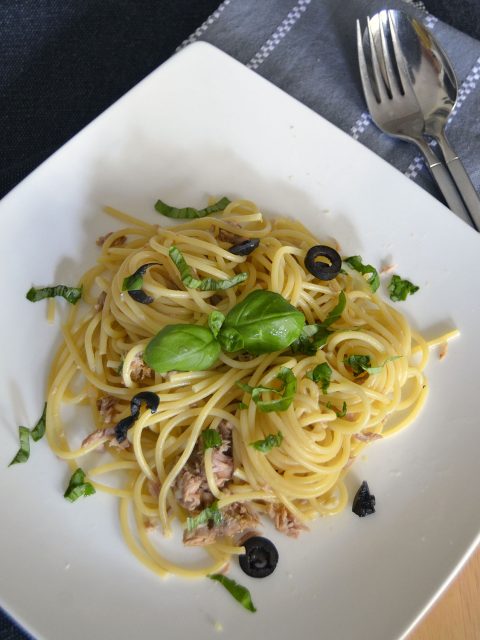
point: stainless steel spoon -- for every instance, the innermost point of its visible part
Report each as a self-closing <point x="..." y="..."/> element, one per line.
<point x="435" y="87"/>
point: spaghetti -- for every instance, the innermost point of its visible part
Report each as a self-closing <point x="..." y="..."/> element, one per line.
<point x="318" y="436"/>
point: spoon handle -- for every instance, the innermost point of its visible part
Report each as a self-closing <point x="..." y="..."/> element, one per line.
<point x="443" y="180"/>
<point x="462" y="180"/>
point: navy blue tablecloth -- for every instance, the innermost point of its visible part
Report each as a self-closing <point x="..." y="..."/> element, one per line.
<point x="66" y="61"/>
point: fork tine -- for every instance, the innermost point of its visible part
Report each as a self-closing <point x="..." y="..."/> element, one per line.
<point x="391" y="76"/>
<point x="382" y="92"/>
<point x="362" y="63"/>
<point x="399" y="57"/>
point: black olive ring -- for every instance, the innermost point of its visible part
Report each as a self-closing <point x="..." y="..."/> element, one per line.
<point x="260" y="557"/>
<point x="323" y="270"/>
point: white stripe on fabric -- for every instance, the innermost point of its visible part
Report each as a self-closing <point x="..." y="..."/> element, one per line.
<point x="360" y="125"/>
<point x="418" y="4"/>
<point x="430" y="21"/>
<point x="467" y="86"/>
<point x="203" y="27"/>
<point x="278" y="35"/>
<point x="364" y="120"/>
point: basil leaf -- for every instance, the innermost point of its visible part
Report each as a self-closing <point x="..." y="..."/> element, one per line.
<point x="38" y="430"/>
<point x="357" y="363"/>
<point x="287" y="392"/>
<point x="337" y="310"/>
<point x="23" y="453"/>
<point x="211" y="439"/>
<point x="266" y="445"/>
<point x="209" y="513"/>
<point x="215" y="321"/>
<point x="190" y="212"/>
<point x="241" y="406"/>
<point x="322" y="373"/>
<point x="340" y="414"/>
<point x="399" y="289"/>
<point x="373" y="278"/>
<point x="77" y="487"/>
<point x="205" y="284"/>
<point x="135" y="281"/>
<point x="71" y="294"/>
<point x="263" y="322"/>
<point x="241" y="594"/>
<point x="182" y="347"/>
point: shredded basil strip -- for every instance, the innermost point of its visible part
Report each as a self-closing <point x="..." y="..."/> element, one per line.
<point x="190" y="212"/>
<point x="215" y="321"/>
<point x="359" y="364"/>
<point x="211" y="439"/>
<point x="268" y="443"/>
<point x="38" y="430"/>
<point x="312" y="338"/>
<point x="209" y="513"/>
<point x="287" y="392"/>
<point x="373" y="278"/>
<point x="71" y="294"/>
<point x="36" y="433"/>
<point x="77" y="486"/>
<point x="241" y="594"/>
<point x="23" y="453"/>
<point x="337" y="310"/>
<point x="135" y="281"/>
<point x="340" y="414"/>
<point x="315" y="336"/>
<point x="241" y="406"/>
<point x="205" y="284"/>
<point x="399" y="289"/>
<point x="322" y="373"/>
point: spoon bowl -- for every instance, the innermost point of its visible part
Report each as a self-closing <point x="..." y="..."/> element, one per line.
<point x="435" y="85"/>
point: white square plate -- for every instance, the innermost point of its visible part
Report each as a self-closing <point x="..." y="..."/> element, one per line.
<point x="203" y="124"/>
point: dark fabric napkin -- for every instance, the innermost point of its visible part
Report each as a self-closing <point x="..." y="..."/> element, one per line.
<point x="308" y="49"/>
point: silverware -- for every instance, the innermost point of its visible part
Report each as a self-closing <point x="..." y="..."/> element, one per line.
<point x="435" y="86"/>
<point x="393" y="104"/>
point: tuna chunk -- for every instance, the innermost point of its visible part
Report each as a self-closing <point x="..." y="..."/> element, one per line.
<point x="107" y="408"/>
<point x="191" y="486"/>
<point x="237" y="519"/>
<point x="140" y="372"/>
<point x="285" y="521"/>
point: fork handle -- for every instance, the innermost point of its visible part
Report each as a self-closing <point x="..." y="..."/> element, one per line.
<point x="444" y="181"/>
<point x="461" y="179"/>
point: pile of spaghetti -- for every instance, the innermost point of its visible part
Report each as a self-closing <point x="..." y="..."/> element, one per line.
<point x="253" y="436"/>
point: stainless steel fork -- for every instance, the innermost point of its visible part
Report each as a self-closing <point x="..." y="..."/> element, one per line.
<point x="393" y="105"/>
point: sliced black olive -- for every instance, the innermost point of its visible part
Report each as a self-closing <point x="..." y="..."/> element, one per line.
<point x="363" y="502"/>
<point x="323" y="270"/>
<point x="260" y="557"/>
<point x="244" y="248"/>
<point x="151" y="400"/>
<point x="140" y="296"/>
<point x="123" y="426"/>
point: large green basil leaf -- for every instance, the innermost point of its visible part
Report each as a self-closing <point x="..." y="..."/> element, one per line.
<point x="262" y="323"/>
<point x="182" y="347"/>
